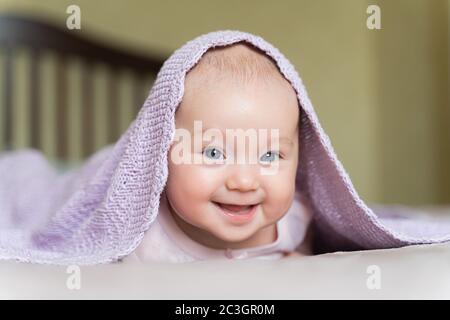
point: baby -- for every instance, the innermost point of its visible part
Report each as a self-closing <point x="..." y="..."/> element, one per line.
<point x="218" y="208"/>
<point x="156" y="196"/>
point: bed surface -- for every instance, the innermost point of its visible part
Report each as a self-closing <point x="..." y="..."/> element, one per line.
<point x="414" y="272"/>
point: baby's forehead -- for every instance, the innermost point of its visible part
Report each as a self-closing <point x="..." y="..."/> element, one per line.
<point x="229" y="107"/>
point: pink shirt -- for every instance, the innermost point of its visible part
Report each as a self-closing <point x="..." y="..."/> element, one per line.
<point x="166" y="242"/>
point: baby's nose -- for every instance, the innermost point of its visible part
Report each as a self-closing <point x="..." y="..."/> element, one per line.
<point x="243" y="178"/>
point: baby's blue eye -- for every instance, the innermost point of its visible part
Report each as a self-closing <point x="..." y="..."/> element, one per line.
<point x="213" y="153"/>
<point x="270" y="156"/>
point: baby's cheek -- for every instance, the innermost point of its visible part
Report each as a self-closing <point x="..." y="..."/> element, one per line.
<point x="279" y="197"/>
<point x="193" y="180"/>
<point x="189" y="187"/>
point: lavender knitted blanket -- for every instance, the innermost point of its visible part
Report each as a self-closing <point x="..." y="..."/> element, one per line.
<point x="99" y="212"/>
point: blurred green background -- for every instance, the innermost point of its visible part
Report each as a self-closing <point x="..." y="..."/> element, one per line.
<point x="382" y="95"/>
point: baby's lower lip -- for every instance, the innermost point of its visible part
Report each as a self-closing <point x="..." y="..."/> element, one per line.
<point x="237" y="214"/>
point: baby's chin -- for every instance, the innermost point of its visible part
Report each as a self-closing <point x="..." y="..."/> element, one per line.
<point x="245" y="235"/>
<point x="233" y="236"/>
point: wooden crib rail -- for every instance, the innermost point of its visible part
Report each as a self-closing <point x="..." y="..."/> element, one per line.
<point x="38" y="37"/>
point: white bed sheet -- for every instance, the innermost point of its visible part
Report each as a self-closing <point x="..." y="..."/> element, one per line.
<point x="414" y="272"/>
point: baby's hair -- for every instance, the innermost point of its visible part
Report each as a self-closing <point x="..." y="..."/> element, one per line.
<point x="242" y="61"/>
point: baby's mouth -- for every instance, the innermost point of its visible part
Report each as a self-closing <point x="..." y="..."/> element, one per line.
<point x="235" y="209"/>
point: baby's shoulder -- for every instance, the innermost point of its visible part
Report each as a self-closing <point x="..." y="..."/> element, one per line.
<point x="158" y="246"/>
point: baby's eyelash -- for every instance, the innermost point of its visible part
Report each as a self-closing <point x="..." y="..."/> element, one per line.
<point x="278" y="154"/>
<point x="214" y="148"/>
<point x="281" y="155"/>
<point x="209" y="147"/>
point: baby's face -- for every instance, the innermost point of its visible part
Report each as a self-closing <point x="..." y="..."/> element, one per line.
<point x="199" y="193"/>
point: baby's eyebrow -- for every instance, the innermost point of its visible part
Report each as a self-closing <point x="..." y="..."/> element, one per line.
<point x="284" y="140"/>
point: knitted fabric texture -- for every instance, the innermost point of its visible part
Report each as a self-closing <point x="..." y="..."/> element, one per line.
<point x="98" y="213"/>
